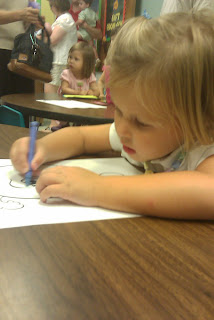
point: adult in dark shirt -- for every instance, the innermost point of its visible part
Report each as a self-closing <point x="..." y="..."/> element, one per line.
<point x="13" y="16"/>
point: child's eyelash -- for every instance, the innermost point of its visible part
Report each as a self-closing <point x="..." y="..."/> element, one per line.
<point x="140" y="123"/>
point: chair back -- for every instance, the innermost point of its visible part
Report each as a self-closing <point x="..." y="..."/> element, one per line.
<point x="11" y="116"/>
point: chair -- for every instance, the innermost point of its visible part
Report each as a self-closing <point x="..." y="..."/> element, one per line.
<point x="11" y="116"/>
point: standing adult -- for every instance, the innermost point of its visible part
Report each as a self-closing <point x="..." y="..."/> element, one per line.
<point x="95" y="33"/>
<point x="185" y="5"/>
<point x="14" y="15"/>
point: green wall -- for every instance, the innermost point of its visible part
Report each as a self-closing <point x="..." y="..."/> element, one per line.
<point x="153" y="7"/>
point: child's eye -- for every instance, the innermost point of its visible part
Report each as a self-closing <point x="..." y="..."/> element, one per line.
<point x="140" y="123"/>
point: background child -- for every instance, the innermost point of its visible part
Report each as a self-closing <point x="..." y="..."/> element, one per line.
<point x="162" y="84"/>
<point x="90" y="17"/>
<point x="96" y="33"/>
<point x="79" y="77"/>
<point x="63" y="37"/>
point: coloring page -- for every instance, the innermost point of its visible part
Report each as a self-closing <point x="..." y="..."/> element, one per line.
<point x="21" y="206"/>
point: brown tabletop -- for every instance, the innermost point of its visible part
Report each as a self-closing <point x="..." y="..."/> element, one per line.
<point x="27" y="104"/>
<point x="140" y="268"/>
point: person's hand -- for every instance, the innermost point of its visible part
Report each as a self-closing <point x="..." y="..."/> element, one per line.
<point x="83" y="92"/>
<point x="19" y="155"/>
<point x="90" y="93"/>
<point x="30" y="15"/>
<point x="84" y="25"/>
<point x="74" y="184"/>
<point x="102" y="96"/>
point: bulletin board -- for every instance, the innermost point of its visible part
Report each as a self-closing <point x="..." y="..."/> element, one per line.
<point x="115" y="12"/>
<point x="114" y="16"/>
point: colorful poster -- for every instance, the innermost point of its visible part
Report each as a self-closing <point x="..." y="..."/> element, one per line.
<point x="114" y="16"/>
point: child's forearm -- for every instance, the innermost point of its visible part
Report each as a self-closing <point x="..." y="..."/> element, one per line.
<point x="177" y="195"/>
<point x="62" y="144"/>
<point x="70" y="91"/>
<point x="101" y="88"/>
<point x="74" y="141"/>
<point x="79" y="22"/>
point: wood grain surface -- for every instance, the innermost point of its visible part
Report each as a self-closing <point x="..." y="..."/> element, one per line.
<point x="126" y="269"/>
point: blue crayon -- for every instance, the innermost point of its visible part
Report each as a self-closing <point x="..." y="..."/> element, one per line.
<point x="33" y="133"/>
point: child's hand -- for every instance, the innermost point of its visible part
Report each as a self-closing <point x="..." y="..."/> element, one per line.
<point x="83" y="92"/>
<point x="70" y="183"/>
<point x="90" y="93"/>
<point x="102" y="96"/>
<point x="19" y="155"/>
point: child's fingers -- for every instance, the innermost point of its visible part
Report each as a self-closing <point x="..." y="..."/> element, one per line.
<point x="19" y="154"/>
<point x="37" y="161"/>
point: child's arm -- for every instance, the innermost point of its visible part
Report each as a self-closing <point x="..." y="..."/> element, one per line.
<point x="176" y="195"/>
<point x="67" y="90"/>
<point x="93" y="89"/>
<point x="63" y="144"/>
<point x="48" y="28"/>
<point x="101" y="84"/>
<point x="57" y="34"/>
<point x="95" y="33"/>
<point x="79" y="22"/>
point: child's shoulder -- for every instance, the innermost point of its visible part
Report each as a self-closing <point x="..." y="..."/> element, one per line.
<point x="198" y="154"/>
<point x="66" y="17"/>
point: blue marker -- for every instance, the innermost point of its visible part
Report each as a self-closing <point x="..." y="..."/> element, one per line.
<point x="33" y="133"/>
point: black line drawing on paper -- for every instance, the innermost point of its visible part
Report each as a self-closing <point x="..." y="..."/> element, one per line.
<point x="11" y="196"/>
<point x="10" y="204"/>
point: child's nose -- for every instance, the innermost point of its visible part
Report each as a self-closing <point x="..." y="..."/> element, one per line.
<point x="123" y="128"/>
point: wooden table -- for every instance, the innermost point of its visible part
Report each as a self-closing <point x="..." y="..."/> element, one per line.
<point x="27" y="104"/>
<point x="128" y="269"/>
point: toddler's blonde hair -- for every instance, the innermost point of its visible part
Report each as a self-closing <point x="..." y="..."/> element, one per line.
<point x="170" y="63"/>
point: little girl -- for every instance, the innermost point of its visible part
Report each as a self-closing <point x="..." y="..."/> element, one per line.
<point x="79" y="77"/>
<point x="162" y="85"/>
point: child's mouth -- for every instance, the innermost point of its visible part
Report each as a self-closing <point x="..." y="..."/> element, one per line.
<point x="128" y="150"/>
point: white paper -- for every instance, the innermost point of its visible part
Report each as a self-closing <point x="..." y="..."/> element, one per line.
<point x="72" y="104"/>
<point x="21" y="206"/>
